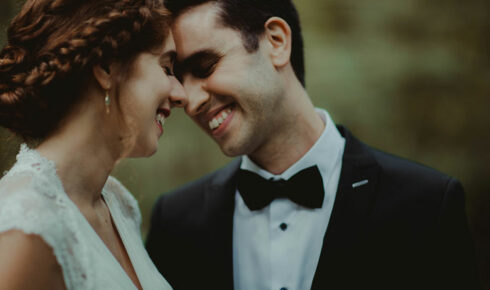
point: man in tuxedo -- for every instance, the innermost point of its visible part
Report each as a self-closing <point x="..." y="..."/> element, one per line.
<point x="306" y="205"/>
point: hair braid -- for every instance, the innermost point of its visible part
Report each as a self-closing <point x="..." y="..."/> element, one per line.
<point x="115" y="32"/>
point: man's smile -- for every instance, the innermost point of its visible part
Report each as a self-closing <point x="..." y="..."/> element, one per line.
<point x="219" y="118"/>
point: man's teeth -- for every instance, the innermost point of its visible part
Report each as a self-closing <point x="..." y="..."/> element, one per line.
<point x="219" y="119"/>
<point x="160" y="119"/>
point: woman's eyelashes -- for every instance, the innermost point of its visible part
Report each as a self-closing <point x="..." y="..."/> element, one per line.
<point x="169" y="70"/>
<point x="167" y="63"/>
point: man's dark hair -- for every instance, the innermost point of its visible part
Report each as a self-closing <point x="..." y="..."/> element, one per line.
<point x="249" y="17"/>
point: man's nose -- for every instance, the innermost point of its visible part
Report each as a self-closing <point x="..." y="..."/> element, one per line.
<point x="197" y="97"/>
<point x="178" y="97"/>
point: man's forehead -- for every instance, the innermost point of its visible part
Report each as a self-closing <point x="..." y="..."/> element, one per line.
<point x="197" y="29"/>
<point x="207" y="12"/>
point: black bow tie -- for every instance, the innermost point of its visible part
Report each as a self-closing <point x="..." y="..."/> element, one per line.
<point x="304" y="188"/>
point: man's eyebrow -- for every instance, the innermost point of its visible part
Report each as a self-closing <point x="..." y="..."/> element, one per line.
<point x="196" y="58"/>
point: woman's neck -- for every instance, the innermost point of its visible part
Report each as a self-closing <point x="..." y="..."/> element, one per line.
<point x="84" y="154"/>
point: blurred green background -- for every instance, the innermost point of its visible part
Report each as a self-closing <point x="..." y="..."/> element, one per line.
<point x="409" y="77"/>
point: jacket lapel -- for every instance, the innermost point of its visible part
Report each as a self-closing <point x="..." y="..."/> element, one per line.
<point x="342" y="246"/>
<point x="220" y="199"/>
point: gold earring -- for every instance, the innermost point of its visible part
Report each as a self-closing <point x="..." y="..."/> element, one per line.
<point x="107" y="102"/>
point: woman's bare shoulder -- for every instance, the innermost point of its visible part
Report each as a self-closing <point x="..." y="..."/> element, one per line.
<point x="28" y="262"/>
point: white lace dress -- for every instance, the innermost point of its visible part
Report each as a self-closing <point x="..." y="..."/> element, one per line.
<point x="32" y="199"/>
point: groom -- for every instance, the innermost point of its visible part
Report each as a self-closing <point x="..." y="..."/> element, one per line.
<point x="306" y="205"/>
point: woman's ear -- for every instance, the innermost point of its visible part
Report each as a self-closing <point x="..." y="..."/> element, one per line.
<point x="278" y="33"/>
<point x="102" y="75"/>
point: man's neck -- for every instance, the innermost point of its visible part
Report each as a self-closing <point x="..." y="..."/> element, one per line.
<point x="300" y="132"/>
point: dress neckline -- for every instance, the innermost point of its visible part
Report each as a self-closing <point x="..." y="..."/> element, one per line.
<point x="43" y="166"/>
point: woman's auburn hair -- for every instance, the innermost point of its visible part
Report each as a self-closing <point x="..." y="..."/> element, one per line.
<point x="52" y="46"/>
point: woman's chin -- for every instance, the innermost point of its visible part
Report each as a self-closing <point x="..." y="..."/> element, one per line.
<point x="143" y="151"/>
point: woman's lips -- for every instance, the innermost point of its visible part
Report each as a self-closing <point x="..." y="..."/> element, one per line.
<point x="160" y="121"/>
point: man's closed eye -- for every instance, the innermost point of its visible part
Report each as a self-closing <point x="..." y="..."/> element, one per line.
<point x="205" y="69"/>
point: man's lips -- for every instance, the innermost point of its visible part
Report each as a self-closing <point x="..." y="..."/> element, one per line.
<point x="219" y="116"/>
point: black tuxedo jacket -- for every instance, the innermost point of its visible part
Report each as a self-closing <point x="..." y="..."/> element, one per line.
<point x="405" y="229"/>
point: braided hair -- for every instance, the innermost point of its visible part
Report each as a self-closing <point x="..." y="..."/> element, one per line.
<point x="52" y="46"/>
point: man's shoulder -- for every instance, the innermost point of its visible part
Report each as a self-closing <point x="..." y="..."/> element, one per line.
<point x="393" y="168"/>
<point x="399" y="167"/>
<point x="405" y="197"/>
<point x="416" y="181"/>
<point x="410" y="184"/>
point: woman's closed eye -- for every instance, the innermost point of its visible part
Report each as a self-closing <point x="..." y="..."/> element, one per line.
<point x="169" y="70"/>
<point x="167" y="62"/>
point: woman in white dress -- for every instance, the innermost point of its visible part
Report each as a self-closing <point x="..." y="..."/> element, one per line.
<point x="92" y="81"/>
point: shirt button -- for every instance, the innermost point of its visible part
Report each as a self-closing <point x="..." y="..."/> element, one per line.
<point x="283" y="227"/>
<point x="284" y="288"/>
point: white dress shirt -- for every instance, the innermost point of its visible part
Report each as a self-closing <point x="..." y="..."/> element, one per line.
<point x="279" y="247"/>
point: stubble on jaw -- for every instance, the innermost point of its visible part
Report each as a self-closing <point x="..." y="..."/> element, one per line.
<point x="259" y="126"/>
<point x="257" y="114"/>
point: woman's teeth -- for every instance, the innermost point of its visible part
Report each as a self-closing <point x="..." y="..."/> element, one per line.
<point x="160" y="119"/>
<point x="219" y="119"/>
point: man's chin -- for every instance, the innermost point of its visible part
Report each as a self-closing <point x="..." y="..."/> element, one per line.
<point x="230" y="150"/>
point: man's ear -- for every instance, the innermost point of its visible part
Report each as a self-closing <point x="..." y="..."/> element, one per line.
<point x="278" y="33"/>
<point x="102" y="75"/>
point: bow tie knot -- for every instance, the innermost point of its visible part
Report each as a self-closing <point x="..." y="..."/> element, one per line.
<point x="304" y="188"/>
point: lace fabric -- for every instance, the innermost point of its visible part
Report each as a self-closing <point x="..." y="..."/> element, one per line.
<point x="32" y="199"/>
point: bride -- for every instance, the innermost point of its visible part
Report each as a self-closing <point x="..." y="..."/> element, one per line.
<point x="91" y="80"/>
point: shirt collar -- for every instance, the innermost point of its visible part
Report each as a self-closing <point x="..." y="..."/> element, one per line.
<point x="323" y="153"/>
